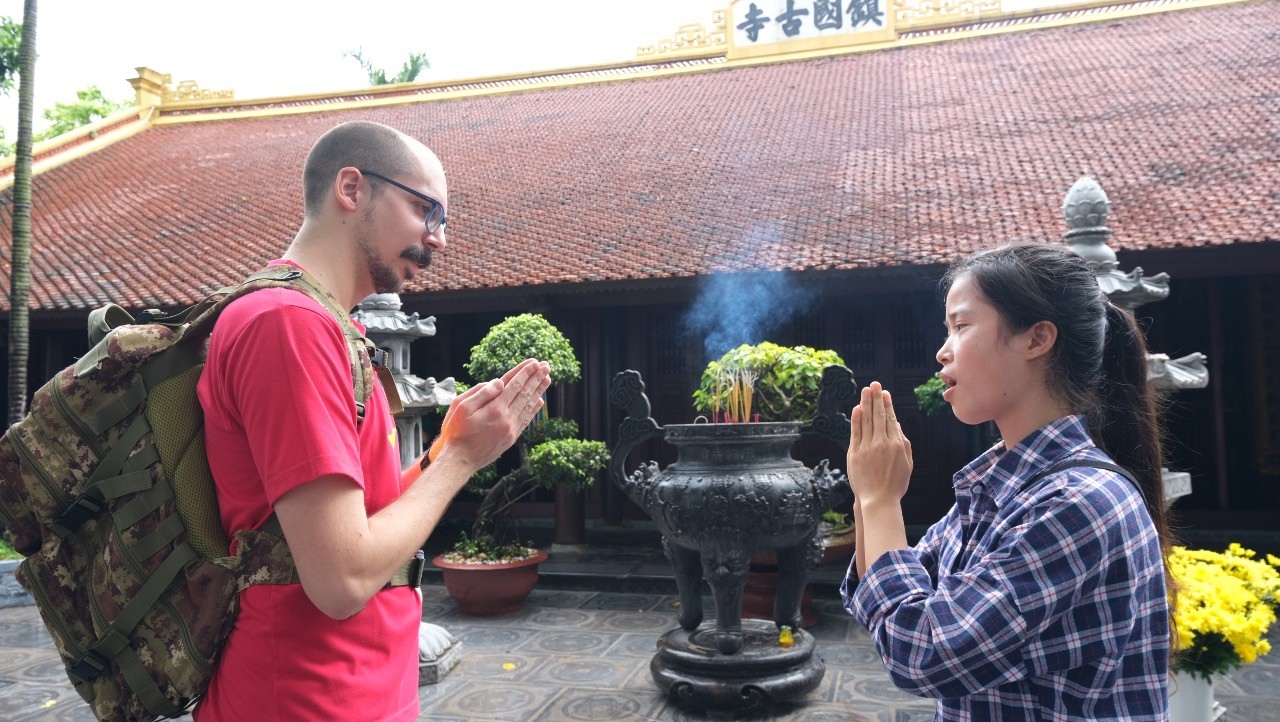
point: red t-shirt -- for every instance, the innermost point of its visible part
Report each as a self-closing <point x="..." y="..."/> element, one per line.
<point x="279" y="411"/>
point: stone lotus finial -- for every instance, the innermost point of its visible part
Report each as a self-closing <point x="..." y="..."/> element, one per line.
<point x="381" y="302"/>
<point x="1085" y="210"/>
<point x="1086" y="205"/>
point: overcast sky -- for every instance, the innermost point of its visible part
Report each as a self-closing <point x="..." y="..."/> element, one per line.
<point x="267" y="47"/>
<point x="262" y="48"/>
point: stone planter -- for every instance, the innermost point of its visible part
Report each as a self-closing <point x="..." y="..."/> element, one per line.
<point x="489" y="590"/>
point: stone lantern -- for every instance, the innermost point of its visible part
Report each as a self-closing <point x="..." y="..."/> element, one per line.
<point x="1085" y="210"/>
<point x="393" y="331"/>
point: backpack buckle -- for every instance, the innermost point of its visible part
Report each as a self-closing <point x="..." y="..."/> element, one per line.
<point x="415" y="569"/>
<point x="89" y="666"/>
<point x="76" y="514"/>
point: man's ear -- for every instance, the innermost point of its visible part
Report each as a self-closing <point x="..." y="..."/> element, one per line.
<point x="346" y="187"/>
<point x="1040" y="339"/>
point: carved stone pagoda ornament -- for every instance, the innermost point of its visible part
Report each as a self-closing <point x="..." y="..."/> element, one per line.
<point x="734" y="491"/>
<point x="1085" y="210"/>
<point x="393" y="331"/>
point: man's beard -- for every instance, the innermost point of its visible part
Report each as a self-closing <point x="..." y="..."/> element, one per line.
<point x="385" y="278"/>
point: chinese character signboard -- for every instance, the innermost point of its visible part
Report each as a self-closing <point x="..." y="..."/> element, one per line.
<point x="765" y="27"/>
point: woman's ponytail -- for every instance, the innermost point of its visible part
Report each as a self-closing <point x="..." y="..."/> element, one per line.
<point x="1127" y="425"/>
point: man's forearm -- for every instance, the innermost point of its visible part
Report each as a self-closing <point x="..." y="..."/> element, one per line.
<point x="404" y="525"/>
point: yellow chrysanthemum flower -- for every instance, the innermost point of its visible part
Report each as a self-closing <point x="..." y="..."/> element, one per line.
<point x="1226" y="603"/>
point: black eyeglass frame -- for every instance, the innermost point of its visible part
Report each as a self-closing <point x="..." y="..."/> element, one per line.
<point x="436" y="208"/>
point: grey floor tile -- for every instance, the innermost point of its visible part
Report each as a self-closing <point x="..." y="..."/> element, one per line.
<point x="640" y="645"/>
<point x="582" y="644"/>
<point x="483" y="700"/>
<point x="595" y="705"/>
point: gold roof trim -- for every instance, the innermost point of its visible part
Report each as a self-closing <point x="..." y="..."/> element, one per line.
<point x="691" y="40"/>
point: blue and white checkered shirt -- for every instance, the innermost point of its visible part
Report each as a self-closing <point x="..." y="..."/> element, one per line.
<point x="1038" y="603"/>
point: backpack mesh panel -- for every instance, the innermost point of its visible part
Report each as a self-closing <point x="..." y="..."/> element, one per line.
<point x="177" y="423"/>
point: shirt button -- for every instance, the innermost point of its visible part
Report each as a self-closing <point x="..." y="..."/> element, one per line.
<point x="976" y="489"/>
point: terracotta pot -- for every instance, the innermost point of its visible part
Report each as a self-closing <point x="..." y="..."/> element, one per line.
<point x="762" y="582"/>
<point x="488" y="590"/>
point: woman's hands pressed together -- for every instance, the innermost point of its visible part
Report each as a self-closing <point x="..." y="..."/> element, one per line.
<point x="879" y="465"/>
<point x="879" y="462"/>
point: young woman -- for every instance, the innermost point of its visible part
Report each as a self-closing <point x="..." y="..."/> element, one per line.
<point x="1041" y="595"/>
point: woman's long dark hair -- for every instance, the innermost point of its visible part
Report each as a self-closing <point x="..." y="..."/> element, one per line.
<point x="1099" y="362"/>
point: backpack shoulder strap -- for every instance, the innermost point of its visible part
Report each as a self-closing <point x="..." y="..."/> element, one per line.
<point x="1089" y="463"/>
<point x="361" y="352"/>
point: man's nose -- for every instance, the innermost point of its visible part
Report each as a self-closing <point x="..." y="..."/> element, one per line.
<point x="436" y="240"/>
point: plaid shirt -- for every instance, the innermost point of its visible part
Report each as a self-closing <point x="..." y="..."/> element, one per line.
<point x="1038" y="603"/>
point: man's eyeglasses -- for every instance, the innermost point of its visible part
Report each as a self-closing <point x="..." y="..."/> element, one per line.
<point x="435" y="219"/>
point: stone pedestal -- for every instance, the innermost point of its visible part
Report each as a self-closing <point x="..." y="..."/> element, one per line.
<point x="694" y="673"/>
<point x="438" y="653"/>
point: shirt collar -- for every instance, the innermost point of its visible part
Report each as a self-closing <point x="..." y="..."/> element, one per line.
<point x="1006" y="470"/>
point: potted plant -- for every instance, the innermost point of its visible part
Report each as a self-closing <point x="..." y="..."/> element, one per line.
<point x="776" y="383"/>
<point x="1225" y="604"/>
<point x="836" y="528"/>
<point x="769" y="382"/>
<point x="488" y="572"/>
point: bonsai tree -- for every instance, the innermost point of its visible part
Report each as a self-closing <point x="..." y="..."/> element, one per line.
<point x="929" y="396"/>
<point x="549" y="451"/>
<point x="775" y="382"/>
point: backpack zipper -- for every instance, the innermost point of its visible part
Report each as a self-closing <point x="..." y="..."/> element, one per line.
<point x="95" y="609"/>
<point x="73" y="420"/>
<point x="29" y="461"/>
<point x="69" y="645"/>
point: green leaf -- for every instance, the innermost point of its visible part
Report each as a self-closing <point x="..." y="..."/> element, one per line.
<point x="517" y="338"/>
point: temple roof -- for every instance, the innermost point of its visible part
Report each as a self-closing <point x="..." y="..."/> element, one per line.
<point x="907" y="156"/>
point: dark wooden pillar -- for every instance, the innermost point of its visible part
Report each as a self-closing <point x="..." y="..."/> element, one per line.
<point x="1217" y="356"/>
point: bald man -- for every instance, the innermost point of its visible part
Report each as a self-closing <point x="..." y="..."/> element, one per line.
<point x="283" y="437"/>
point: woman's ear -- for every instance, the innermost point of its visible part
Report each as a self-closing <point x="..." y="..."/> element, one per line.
<point x="1040" y="339"/>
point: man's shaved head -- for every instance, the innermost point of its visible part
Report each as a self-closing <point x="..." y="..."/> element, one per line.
<point x="358" y="144"/>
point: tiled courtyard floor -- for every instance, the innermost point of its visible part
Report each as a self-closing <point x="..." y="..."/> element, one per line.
<point x="583" y="655"/>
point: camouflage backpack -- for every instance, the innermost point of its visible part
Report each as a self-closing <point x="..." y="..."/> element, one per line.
<point x="106" y="488"/>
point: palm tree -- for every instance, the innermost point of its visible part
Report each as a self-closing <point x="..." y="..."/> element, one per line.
<point x="20" y="273"/>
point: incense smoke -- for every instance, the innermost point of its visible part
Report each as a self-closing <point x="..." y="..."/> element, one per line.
<point x="733" y="309"/>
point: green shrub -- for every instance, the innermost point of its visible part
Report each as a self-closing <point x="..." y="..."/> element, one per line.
<point x="517" y="338"/>
<point x="929" y="396"/>
<point x="549" y="451"/>
<point x="572" y="463"/>
<point x="6" y="551"/>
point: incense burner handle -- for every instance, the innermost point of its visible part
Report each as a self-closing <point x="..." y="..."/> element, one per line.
<point x="626" y="391"/>
<point x="838" y="393"/>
